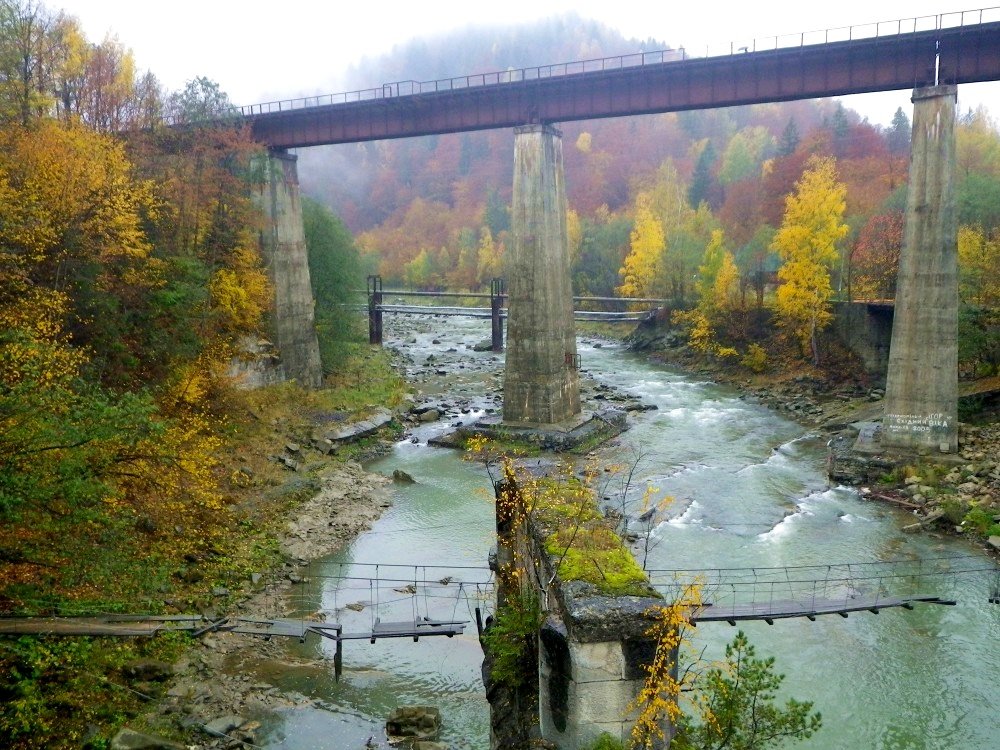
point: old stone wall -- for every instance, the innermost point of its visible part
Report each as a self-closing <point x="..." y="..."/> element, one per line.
<point x="866" y="329"/>
<point x="592" y="649"/>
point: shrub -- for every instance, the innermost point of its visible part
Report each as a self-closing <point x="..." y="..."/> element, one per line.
<point x="980" y="520"/>
<point x="606" y="742"/>
<point x="510" y="638"/>
<point x="755" y="359"/>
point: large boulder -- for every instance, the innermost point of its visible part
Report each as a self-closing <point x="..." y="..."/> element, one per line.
<point x="358" y="430"/>
<point x="418" y="722"/>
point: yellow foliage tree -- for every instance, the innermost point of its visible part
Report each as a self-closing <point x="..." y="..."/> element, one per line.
<point x="574" y="235"/>
<point x="726" y="290"/>
<point x="807" y="243"/>
<point x="718" y="295"/>
<point x="979" y="267"/>
<point x="241" y="292"/>
<point x="642" y="264"/>
<point x="70" y="194"/>
<point x="490" y="257"/>
<point x="658" y="699"/>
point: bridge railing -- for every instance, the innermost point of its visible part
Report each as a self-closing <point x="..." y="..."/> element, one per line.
<point x="875" y="30"/>
<point x="799" y="588"/>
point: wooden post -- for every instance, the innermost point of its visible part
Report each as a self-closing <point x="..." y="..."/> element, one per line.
<point x="496" y="305"/>
<point x="375" y="310"/>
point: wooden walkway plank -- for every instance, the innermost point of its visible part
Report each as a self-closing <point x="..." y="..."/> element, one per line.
<point x="788" y="608"/>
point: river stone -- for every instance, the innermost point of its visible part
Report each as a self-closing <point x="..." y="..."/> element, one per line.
<point x="423" y="722"/>
<point x="483" y="346"/>
<point x="933" y="516"/>
<point x="149" y="669"/>
<point x="223" y="725"/>
<point x="994" y="542"/>
<point x="127" y="739"/>
<point x="398" y="475"/>
<point x="431" y="415"/>
<point x="361" y="429"/>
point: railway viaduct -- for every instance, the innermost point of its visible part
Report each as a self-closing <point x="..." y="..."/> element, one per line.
<point x="931" y="55"/>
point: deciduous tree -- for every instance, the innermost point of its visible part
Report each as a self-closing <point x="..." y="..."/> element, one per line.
<point x="875" y="257"/>
<point x="644" y="260"/>
<point x="979" y="267"/>
<point x="807" y="243"/>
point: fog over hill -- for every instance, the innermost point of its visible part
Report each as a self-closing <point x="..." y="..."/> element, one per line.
<point x="366" y="183"/>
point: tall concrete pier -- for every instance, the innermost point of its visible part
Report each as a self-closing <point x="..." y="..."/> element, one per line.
<point x="921" y="400"/>
<point x="541" y="383"/>
<point x="283" y="245"/>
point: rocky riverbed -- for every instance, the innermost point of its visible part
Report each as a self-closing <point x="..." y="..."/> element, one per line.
<point x="207" y="693"/>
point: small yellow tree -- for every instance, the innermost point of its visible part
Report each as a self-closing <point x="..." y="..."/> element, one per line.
<point x="979" y="267"/>
<point x="642" y="264"/>
<point x="807" y="243"/>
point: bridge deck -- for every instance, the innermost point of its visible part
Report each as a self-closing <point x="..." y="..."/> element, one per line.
<point x="768" y="611"/>
<point x="664" y="83"/>
<point x="144" y="625"/>
<point x="485" y="313"/>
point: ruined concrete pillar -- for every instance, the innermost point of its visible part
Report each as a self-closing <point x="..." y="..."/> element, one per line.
<point x="283" y="245"/>
<point x="921" y="401"/>
<point x="589" y="688"/>
<point x="541" y="384"/>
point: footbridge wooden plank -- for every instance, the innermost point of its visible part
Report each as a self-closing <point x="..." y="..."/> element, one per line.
<point x="784" y="609"/>
<point x="142" y="625"/>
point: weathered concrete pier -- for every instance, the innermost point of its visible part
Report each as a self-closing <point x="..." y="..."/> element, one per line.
<point x="283" y="246"/>
<point x="921" y="401"/>
<point x="541" y="383"/>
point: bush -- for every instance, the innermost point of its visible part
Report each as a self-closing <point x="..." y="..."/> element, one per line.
<point x="606" y="742"/>
<point x="755" y="359"/>
<point x="980" y="521"/>
<point x="510" y="638"/>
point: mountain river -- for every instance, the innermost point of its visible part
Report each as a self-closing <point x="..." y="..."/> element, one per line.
<point x="750" y="491"/>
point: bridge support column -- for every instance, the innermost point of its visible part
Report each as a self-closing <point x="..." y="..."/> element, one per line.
<point x="375" y="310"/>
<point x="283" y="246"/>
<point x="541" y="384"/>
<point x="921" y="402"/>
<point x="496" y="316"/>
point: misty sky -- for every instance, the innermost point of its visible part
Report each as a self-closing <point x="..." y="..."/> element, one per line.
<point x="262" y="51"/>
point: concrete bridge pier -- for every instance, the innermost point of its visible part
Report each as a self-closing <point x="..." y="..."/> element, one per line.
<point x="283" y="246"/>
<point x="921" y="401"/>
<point x="541" y="383"/>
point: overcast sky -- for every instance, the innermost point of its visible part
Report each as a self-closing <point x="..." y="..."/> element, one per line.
<point x="261" y="51"/>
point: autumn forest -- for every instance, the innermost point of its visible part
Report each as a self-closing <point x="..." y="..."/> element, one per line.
<point x="131" y="279"/>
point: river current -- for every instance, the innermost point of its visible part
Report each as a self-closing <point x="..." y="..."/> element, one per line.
<point x="749" y="490"/>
